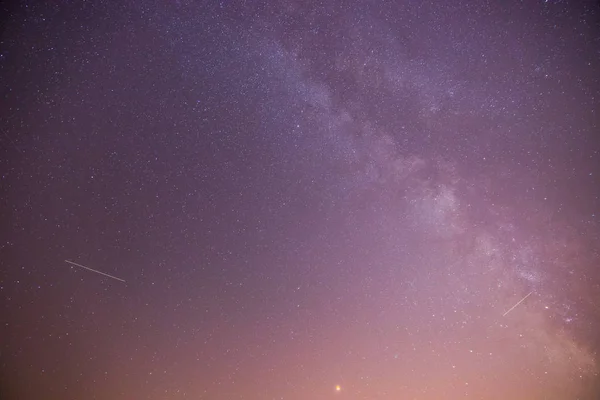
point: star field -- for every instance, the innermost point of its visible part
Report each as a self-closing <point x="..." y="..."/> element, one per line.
<point x="305" y="200"/>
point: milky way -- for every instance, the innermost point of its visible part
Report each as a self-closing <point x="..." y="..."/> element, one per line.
<point x="302" y="200"/>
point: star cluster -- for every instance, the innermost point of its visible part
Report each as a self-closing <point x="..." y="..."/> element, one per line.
<point x="304" y="199"/>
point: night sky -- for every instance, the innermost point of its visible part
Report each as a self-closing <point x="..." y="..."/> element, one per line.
<point x="305" y="200"/>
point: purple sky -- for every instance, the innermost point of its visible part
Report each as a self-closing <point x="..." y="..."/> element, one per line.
<point x="300" y="195"/>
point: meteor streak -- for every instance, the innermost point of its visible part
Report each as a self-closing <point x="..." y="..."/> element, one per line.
<point x="520" y="301"/>
<point x="93" y="270"/>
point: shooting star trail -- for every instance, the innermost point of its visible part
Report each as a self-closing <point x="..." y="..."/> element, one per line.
<point x="93" y="270"/>
<point x="515" y="306"/>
